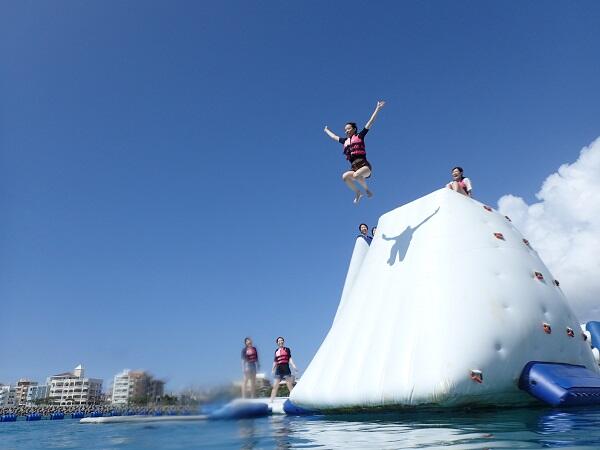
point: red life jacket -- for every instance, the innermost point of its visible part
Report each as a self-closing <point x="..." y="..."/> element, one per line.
<point x="354" y="148"/>
<point x="282" y="356"/>
<point x="251" y="354"/>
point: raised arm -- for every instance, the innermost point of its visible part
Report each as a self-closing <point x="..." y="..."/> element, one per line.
<point x="331" y="134"/>
<point x="380" y="105"/>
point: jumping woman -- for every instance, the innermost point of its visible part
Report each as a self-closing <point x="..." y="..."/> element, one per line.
<point x="356" y="154"/>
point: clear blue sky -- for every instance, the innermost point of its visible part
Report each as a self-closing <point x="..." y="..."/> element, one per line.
<point x="167" y="188"/>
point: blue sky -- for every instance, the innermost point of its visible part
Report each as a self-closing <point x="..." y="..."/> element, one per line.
<point x="167" y="188"/>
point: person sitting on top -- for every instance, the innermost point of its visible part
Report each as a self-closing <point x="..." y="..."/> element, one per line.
<point x="356" y="154"/>
<point x="364" y="233"/>
<point x="459" y="182"/>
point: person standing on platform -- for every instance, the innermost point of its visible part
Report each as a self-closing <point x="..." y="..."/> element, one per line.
<point x="249" y="367"/>
<point x="281" y="367"/>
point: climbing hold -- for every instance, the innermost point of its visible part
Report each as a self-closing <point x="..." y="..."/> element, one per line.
<point x="539" y="276"/>
<point x="499" y="236"/>
<point x="547" y="328"/>
<point x="526" y="242"/>
<point x="556" y="283"/>
<point x="507" y="218"/>
<point x="570" y="332"/>
<point x="477" y="376"/>
<point x="487" y="208"/>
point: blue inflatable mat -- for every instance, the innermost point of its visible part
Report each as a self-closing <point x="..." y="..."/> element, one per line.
<point x="559" y="384"/>
<point x="594" y="329"/>
<point x="292" y="410"/>
<point x="240" y="410"/>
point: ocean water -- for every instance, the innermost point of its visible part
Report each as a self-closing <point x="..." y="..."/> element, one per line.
<point x="473" y="429"/>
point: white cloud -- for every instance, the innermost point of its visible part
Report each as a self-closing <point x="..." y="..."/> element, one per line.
<point x="564" y="228"/>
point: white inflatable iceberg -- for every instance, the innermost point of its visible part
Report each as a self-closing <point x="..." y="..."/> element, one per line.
<point x="445" y="308"/>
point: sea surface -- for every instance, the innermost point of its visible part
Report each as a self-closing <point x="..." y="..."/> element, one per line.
<point x="472" y="429"/>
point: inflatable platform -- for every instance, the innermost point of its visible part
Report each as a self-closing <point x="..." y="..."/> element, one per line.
<point x="446" y="307"/>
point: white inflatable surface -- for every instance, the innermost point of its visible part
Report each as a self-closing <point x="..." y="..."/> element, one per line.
<point x="437" y="304"/>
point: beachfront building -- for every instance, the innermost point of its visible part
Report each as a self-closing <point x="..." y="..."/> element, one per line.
<point x="36" y="393"/>
<point x="73" y="388"/>
<point x="22" y="389"/>
<point x="8" y="396"/>
<point x="132" y="386"/>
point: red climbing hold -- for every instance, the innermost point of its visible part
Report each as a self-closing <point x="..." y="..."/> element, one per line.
<point x="499" y="236"/>
<point x="547" y="328"/>
<point x="538" y="275"/>
<point x="570" y="332"/>
<point x="477" y="376"/>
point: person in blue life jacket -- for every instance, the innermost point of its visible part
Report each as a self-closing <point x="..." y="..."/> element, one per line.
<point x="356" y="154"/>
<point x="364" y="233"/>
<point x="250" y="366"/>
<point x="281" y="367"/>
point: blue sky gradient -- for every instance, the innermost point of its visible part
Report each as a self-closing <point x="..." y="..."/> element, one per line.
<point x="167" y="188"/>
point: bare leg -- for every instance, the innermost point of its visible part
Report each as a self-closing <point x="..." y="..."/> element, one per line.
<point x="348" y="178"/>
<point x="456" y="187"/>
<point x="275" y="388"/>
<point x="360" y="177"/>
<point x="253" y="385"/>
<point x="290" y="383"/>
<point x="244" y="385"/>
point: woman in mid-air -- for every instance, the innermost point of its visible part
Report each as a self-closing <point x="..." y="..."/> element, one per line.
<point x="356" y="154"/>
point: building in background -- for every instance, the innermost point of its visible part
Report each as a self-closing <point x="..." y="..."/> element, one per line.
<point x="136" y="386"/>
<point x="37" y="393"/>
<point x="8" y="396"/>
<point x="73" y="388"/>
<point x="22" y="389"/>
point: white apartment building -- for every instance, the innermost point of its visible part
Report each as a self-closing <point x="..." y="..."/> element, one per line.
<point x="8" y="395"/>
<point x="129" y="385"/>
<point x="37" y="392"/>
<point x="73" y="388"/>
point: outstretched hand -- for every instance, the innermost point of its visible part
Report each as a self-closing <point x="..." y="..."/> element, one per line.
<point x="380" y="104"/>
<point x="325" y="129"/>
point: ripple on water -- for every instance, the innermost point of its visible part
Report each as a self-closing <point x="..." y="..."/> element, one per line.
<point x="473" y="429"/>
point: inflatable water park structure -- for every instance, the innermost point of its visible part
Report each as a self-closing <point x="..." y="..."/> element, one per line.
<point x="448" y="306"/>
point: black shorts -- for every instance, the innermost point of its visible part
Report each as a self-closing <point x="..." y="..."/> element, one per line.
<point x="250" y="368"/>
<point x="358" y="163"/>
<point x="283" y="371"/>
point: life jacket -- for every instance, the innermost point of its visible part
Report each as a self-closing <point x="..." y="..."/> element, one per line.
<point x="463" y="185"/>
<point x="354" y="148"/>
<point x="282" y="355"/>
<point x="251" y="354"/>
